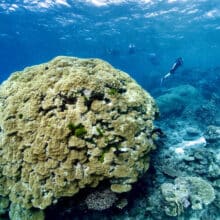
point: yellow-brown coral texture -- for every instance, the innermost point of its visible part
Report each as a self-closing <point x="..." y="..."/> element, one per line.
<point x="68" y="124"/>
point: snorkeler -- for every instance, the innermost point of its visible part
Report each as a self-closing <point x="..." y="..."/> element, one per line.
<point x="131" y="48"/>
<point x="176" y="65"/>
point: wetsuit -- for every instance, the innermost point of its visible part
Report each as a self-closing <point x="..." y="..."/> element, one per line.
<point x="176" y="65"/>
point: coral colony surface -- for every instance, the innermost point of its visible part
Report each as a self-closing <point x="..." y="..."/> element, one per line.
<point x="69" y="125"/>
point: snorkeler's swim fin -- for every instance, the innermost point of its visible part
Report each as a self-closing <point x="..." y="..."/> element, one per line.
<point x="163" y="78"/>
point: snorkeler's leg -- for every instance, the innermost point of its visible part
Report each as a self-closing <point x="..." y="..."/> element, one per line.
<point x="166" y="76"/>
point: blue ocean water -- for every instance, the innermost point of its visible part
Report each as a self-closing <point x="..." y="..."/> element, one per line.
<point x="143" y="38"/>
<point x="32" y="32"/>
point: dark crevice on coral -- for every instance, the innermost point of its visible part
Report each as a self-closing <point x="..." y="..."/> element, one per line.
<point x="20" y="116"/>
<point x="62" y="108"/>
<point x="68" y="100"/>
<point x="67" y="207"/>
<point x="88" y="103"/>
<point x="157" y="115"/>
<point x="117" y="153"/>
<point x="113" y="90"/>
<point x="98" y="96"/>
<point x="94" y="96"/>
<point x="10" y="117"/>
<point x="137" y="133"/>
<point x="122" y="90"/>
<point x="26" y="99"/>
<point x="90" y="140"/>
<point x="51" y="114"/>
<point x="45" y="111"/>
<point x="122" y="111"/>
<point x="116" y="116"/>
<point x="102" y="122"/>
<point x="42" y="97"/>
<point x="139" y="109"/>
<point x="76" y="162"/>
<point x="120" y="139"/>
<point x="107" y="101"/>
<point x="4" y="216"/>
<point x="12" y="133"/>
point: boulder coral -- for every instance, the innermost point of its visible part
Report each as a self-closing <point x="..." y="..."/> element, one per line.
<point x="176" y="99"/>
<point x="69" y="124"/>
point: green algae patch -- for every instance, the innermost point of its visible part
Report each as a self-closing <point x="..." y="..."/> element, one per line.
<point x="80" y="131"/>
<point x="71" y="127"/>
<point x="113" y="91"/>
<point x="100" y="132"/>
<point x="77" y="130"/>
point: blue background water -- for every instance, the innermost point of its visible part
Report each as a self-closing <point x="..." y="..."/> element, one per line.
<point x="35" y="31"/>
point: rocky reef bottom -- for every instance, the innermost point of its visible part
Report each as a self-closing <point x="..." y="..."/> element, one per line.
<point x="184" y="178"/>
<point x="183" y="181"/>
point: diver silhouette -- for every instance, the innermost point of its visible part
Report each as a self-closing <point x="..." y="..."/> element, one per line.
<point x="176" y="65"/>
<point x="131" y="48"/>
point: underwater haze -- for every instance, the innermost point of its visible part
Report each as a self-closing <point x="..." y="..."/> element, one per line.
<point x="171" y="48"/>
<point x="35" y="31"/>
